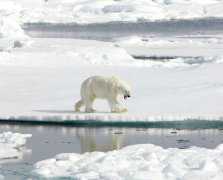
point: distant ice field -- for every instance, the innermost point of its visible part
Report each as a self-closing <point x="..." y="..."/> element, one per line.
<point x="100" y="11"/>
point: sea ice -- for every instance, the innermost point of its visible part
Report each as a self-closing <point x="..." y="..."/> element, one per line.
<point x="99" y="11"/>
<point x="42" y="83"/>
<point x="125" y="10"/>
<point x="11" y="33"/>
<point x="180" y="46"/>
<point x="11" y="145"/>
<point x="144" y="161"/>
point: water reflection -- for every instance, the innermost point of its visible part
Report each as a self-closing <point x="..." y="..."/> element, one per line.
<point x="89" y="141"/>
<point x="58" y="139"/>
<point x="47" y="141"/>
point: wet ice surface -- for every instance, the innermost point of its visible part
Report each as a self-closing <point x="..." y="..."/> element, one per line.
<point x="47" y="141"/>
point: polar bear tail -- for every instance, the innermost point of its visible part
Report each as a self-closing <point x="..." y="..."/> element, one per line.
<point x="78" y="105"/>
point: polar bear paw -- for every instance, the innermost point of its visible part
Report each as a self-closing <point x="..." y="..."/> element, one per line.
<point x="90" y="110"/>
<point x="119" y="110"/>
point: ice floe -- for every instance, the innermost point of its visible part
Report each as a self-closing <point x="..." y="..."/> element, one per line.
<point x="97" y="11"/>
<point x="11" y="144"/>
<point x="11" y="33"/>
<point x="72" y="52"/>
<point x="67" y="52"/>
<point x="42" y="83"/>
<point x="145" y="161"/>
<point x="173" y="47"/>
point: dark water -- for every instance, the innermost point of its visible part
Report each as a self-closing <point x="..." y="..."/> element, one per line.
<point x="47" y="141"/>
<point x="110" y="31"/>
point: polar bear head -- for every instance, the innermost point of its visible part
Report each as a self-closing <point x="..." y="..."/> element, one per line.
<point x="121" y="87"/>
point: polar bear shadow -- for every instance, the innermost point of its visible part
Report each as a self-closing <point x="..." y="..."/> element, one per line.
<point x="67" y="111"/>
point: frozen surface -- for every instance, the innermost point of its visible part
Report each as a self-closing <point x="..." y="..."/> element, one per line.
<point x="42" y="82"/>
<point x="97" y="11"/>
<point x="11" y="33"/>
<point x="66" y="52"/>
<point x="14" y="13"/>
<point x="11" y="145"/>
<point x="136" y="162"/>
<point x="178" y="46"/>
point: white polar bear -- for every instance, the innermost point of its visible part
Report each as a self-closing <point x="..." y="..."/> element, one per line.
<point x="109" y="88"/>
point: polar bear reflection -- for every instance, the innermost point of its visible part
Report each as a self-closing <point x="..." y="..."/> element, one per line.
<point x="109" y="88"/>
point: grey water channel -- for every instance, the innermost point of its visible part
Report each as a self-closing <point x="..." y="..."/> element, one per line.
<point x="110" y="31"/>
<point x="49" y="140"/>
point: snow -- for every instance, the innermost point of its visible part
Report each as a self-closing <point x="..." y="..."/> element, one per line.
<point x="42" y="83"/>
<point x="102" y="11"/>
<point x="11" y="146"/>
<point x="179" y="46"/>
<point x="143" y="161"/>
<point x="14" y="140"/>
<point x="11" y="33"/>
<point x="13" y="14"/>
<point x="65" y="52"/>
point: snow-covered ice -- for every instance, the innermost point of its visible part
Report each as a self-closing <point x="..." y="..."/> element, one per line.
<point x="98" y="11"/>
<point x="143" y="161"/>
<point x="11" y="145"/>
<point x="66" y="52"/>
<point x="180" y="46"/>
<point x="42" y="82"/>
<point x="13" y="14"/>
<point x="11" y="33"/>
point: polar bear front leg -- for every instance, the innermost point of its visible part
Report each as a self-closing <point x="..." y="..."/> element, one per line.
<point x="116" y="107"/>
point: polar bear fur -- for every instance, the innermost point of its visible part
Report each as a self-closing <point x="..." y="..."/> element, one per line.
<point x="109" y="88"/>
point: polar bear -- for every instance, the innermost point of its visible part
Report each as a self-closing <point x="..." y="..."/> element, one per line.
<point x="109" y="88"/>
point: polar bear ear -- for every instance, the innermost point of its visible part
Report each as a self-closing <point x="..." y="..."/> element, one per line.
<point x="115" y="78"/>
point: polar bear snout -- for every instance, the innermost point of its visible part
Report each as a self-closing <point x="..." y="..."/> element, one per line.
<point x="124" y="90"/>
<point x="127" y="96"/>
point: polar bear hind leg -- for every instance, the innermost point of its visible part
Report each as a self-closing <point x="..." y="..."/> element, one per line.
<point x="78" y="105"/>
<point x="89" y="104"/>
